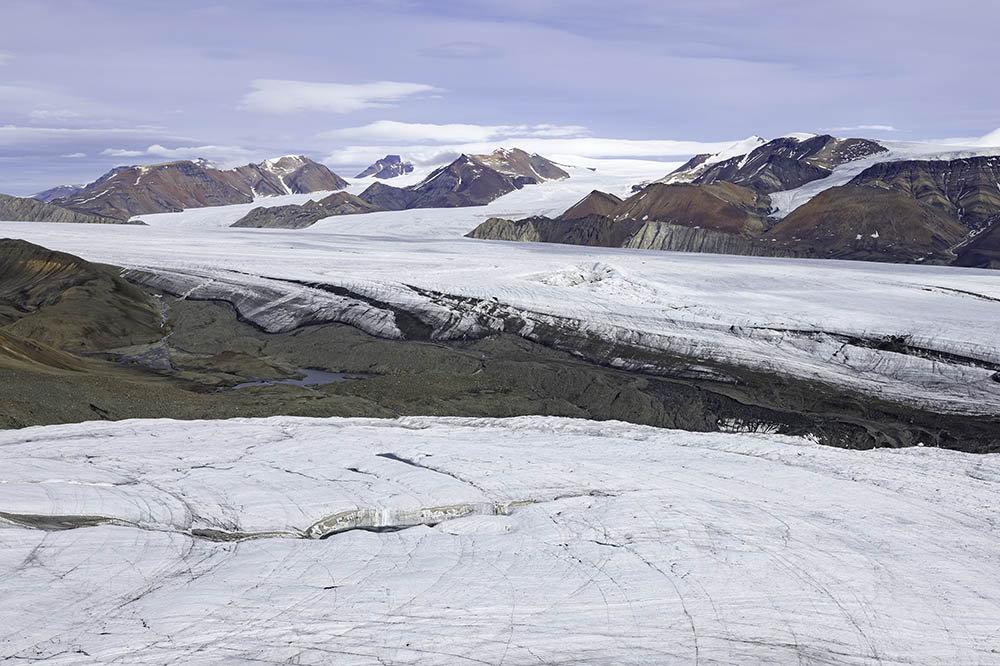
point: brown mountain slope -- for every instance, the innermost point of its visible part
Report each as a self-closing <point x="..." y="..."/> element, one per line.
<point x="60" y="300"/>
<point x="965" y="189"/>
<point x="595" y="203"/>
<point x="868" y="223"/>
<point x="720" y="207"/>
<point x="174" y="186"/>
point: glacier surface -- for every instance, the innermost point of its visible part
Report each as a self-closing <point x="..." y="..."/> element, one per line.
<point x="489" y="541"/>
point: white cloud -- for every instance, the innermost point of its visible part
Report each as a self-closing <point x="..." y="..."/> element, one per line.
<point x="283" y="96"/>
<point x="391" y="131"/>
<point x="853" y="128"/>
<point x="49" y="114"/>
<point x="224" y="156"/>
<point x="75" y="155"/>
<point x="5" y="58"/>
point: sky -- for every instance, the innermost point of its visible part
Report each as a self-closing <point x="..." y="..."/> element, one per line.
<point x="86" y="85"/>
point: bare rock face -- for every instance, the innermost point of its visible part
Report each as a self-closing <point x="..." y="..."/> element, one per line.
<point x="300" y="217"/>
<point x="983" y="250"/>
<point x="471" y="180"/>
<point x="675" y="238"/>
<point x="869" y="223"/>
<point x="174" y="186"/>
<point x="18" y="209"/>
<point x="389" y="166"/>
<point x="964" y="189"/>
<point x="787" y="162"/>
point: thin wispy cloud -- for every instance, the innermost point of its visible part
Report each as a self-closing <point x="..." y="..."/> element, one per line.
<point x="5" y="58"/>
<point x="75" y="156"/>
<point x="222" y="155"/>
<point x="14" y="136"/>
<point x="281" y="96"/>
<point x="461" y="51"/>
<point x="49" y="115"/>
<point x="391" y="131"/>
<point x="858" y="128"/>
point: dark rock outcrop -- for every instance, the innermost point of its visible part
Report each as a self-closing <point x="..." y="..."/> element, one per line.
<point x="389" y="166"/>
<point x="299" y="217"/>
<point x="19" y="209"/>
<point x="983" y="250"/>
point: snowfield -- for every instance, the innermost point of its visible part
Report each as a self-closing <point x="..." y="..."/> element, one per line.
<point x="816" y="320"/>
<point x="503" y="541"/>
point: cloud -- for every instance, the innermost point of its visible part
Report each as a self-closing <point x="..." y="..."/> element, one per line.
<point x="17" y="137"/>
<point x="5" y="58"/>
<point x="223" y="155"/>
<point x="852" y="128"/>
<point x="283" y="96"/>
<point x="49" y="114"/>
<point x="460" y="51"/>
<point x="75" y="155"/>
<point x="391" y="131"/>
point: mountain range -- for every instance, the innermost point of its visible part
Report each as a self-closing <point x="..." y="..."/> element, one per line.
<point x="174" y="186"/>
<point x="470" y="180"/>
<point x="943" y="211"/>
<point x="797" y="195"/>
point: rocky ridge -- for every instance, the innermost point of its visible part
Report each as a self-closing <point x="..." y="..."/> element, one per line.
<point x="174" y="186"/>
<point x="389" y="166"/>
<point x="470" y="180"/>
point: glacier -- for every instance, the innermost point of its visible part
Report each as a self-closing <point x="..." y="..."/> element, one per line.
<point x="489" y="541"/>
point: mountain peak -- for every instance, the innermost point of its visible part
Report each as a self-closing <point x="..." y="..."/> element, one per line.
<point x="389" y="166"/>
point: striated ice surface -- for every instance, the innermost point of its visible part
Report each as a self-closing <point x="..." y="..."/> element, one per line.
<point x="489" y="541"/>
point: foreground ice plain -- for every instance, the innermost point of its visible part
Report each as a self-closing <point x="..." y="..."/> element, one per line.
<point x="823" y="321"/>
<point x="527" y="540"/>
